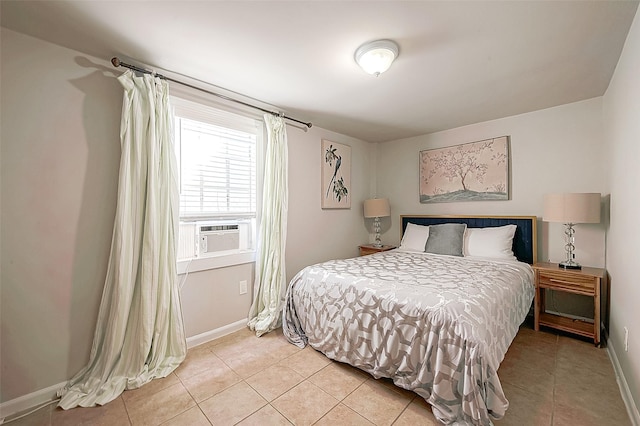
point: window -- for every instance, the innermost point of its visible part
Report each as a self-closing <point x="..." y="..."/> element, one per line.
<point x="216" y="154"/>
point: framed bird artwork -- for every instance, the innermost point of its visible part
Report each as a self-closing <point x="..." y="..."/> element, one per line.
<point x="336" y="175"/>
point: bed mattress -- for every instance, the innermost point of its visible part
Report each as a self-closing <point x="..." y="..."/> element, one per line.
<point x="437" y="325"/>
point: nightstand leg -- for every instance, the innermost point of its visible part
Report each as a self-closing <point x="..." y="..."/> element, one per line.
<point x="536" y="310"/>
<point x="596" y="316"/>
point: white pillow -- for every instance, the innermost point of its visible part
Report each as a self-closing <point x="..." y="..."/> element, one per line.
<point x="415" y="237"/>
<point x="495" y="242"/>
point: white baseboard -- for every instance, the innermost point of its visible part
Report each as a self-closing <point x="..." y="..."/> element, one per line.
<point x="31" y="400"/>
<point x="215" y="334"/>
<point x="632" y="409"/>
<point x="43" y="396"/>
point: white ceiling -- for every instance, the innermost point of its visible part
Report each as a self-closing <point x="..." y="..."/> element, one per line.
<point x="460" y="62"/>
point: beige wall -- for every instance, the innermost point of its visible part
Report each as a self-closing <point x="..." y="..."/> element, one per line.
<point x="313" y="234"/>
<point x="60" y="159"/>
<point x="211" y="299"/>
<point x="553" y="150"/>
<point x="60" y="156"/>
<point x="622" y="136"/>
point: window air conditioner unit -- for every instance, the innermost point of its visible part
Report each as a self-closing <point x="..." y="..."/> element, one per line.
<point x="216" y="237"/>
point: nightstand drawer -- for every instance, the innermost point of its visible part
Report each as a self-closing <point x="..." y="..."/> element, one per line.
<point x="566" y="281"/>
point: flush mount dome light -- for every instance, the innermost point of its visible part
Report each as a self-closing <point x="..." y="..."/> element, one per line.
<point x="376" y="57"/>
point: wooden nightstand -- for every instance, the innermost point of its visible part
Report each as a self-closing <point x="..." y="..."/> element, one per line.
<point x="366" y="249"/>
<point x="586" y="281"/>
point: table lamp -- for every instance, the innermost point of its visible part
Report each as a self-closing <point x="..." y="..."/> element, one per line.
<point x="571" y="208"/>
<point x="377" y="208"/>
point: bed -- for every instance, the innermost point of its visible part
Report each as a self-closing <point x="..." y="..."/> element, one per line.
<point x="437" y="323"/>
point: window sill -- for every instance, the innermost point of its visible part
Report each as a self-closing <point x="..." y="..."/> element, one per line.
<point x="215" y="262"/>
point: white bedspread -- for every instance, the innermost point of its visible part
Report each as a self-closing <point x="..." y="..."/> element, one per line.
<point x="437" y="325"/>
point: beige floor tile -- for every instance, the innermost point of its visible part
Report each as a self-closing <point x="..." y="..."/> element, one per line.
<point x="574" y="378"/>
<point x="198" y="360"/>
<point x="251" y="355"/>
<point x="307" y="361"/>
<point x="388" y="383"/>
<point x="418" y="412"/>
<point x="343" y="415"/>
<point x="267" y="415"/>
<point x="231" y="348"/>
<point x="575" y="357"/>
<point x="533" y="352"/>
<point x="527" y="377"/>
<point x="161" y="406"/>
<point x="40" y="417"/>
<point x="377" y="403"/>
<point x="273" y="344"/>
<point x="249" y="363"/>
<point x="304" y="404"/>
<point x="547" y="378"/>
<point x="274" y="381"/>
<point x="526" y="408"/>
<point x="246" y="344"/>
<point x="576" y="344"/>
<point x="527" y="334"/>
<point x="231" y="337"/>
<point x="113" y="413"/>
<point x="275" y="335"/>
<point x="585" y="379"/>
<point x="215" y="379"/>
<point x="232" y="405"/>
<point x="571" y="415"/>
<point x="338" y="379"/>
<point x="150" y="388"/>
<point x="596" y="396"/>
<point x="191" y="417"/>
<point x="279" y="347"/>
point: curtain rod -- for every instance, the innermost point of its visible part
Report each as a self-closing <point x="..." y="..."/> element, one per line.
<point x="118" y="63"/>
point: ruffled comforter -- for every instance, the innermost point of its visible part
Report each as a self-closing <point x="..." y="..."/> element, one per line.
<point x="436" y="325"/>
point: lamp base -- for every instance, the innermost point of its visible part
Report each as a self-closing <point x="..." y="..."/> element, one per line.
<point x="376" y="227"/>
<point x="570" y="265"/>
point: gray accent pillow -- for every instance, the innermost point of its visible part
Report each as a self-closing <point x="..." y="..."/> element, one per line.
<point x="447" y="238"/>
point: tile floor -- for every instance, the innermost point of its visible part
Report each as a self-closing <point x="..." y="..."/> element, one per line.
<point x="549" y="379"/>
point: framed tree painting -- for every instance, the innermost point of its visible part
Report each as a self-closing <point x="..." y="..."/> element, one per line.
<point x="476" y="171"/>
<point x="336" y="175"/>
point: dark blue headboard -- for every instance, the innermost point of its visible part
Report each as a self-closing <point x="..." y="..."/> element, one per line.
<point x="524" y="242"/>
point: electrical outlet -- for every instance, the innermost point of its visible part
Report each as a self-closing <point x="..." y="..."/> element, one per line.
<point x="626" y="339"/>
<point x="243" y="287"/>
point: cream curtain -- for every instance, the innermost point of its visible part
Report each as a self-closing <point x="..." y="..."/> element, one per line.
<point x="139" y="334"/>
<point x="270" y="283"/>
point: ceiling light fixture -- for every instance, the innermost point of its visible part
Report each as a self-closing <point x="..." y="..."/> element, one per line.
<point x="376" y="57"/>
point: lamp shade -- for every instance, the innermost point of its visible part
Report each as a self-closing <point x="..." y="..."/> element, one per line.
<point x="377" y="207"/>
<point x="376" y="57"/>
<point x="572" y="208"/>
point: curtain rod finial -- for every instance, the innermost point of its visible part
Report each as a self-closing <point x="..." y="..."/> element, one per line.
<point x="115" y="61"/>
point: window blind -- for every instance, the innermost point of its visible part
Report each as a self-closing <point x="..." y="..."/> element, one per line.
<point x="216" y="153"/>
<point x="218" y="169"/>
